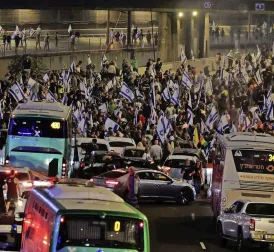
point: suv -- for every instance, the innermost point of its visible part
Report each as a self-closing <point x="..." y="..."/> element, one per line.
<point x="247" y="222"/>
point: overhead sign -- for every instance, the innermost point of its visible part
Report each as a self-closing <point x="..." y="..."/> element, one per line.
<point x="207" y="5"/>
<point x="259" y="6"/>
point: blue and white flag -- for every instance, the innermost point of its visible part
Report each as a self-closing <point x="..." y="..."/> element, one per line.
<point x="50" y="97"/>
<point x="110" y="85"/>
<point x="162" y="128"/>
<point x="258" y="77"/>
<point x="258" y="55"/>
<point x="111" y="124"/>
<point x="187" y="81"/>
<point x="189" y="111"/>
<point x="33" y="96"/>
<point x="72" y="68"/>
<point x="83" y="89"/>
<point x="77" y="115"/>
<point x="31" y="32"/>
<point x="153" y="116"/>
<point x="117" y="112"/>
<point x="31" y="82"/>
<point x="46" y="77"/>
<point x="103" y="60"/>
<point x="65" y="100"/>
<point x="127" y="93"/>
<point x="166" y="94"/>
<point x="245" y="75"/>
<point x="183" y="57"/>
<point x="269" y="114"/>
<point x="17" y="92"/>
<point x="175" y="98"/>
<point x="82" y="125"/>
<point x="103" y="108"/>
<point x="223" y="125"/>
<point x="152" y="95"/>
<point x="204" y="128"/>
<point x="213" y="116"/>
<point x="138" y="94"/>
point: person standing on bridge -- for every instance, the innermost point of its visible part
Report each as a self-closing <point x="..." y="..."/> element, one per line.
<point x="9" y="41"/>
<point x="38" y="37"/>
<point x="56" y="39"/>
<point x="46" y="46"/>
<point x="12" y="190"/>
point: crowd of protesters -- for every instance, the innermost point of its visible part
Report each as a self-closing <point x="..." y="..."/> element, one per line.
<point x="239" y="91"/>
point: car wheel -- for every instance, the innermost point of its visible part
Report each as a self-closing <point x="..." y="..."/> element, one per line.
<point x="222" y="240"/>
<point x="240" y="241"/>
<point x="184" y="197"/>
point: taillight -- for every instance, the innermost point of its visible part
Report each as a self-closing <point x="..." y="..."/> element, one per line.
<point x="252" y="225"/>
<point x="7" y="161"/>
<point x="82" y="165"/>
<point x="64" y="168"/>
<point x="112" y="183"/>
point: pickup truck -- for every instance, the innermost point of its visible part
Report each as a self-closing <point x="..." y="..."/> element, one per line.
<point x="247" y="222"/>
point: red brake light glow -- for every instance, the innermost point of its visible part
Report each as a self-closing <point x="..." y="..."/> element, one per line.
<point x="111" y="182"/>
<point x="141" y="224"/>
<point x="62" y="219"/>
<point x="252" y="225"/>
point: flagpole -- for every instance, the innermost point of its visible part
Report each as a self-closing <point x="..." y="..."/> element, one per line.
<point x="153" y="40"/>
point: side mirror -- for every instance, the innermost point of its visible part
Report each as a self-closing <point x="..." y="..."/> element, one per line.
<point x="170" y="182"/>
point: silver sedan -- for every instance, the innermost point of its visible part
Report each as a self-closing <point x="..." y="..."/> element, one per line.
<point x="153" y="185"/>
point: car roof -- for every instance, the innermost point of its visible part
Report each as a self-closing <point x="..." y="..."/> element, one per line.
<point x="86" y="140"/>
<point x="105" y="153"/>
<point x="181" y="157"/>
<point x="134" y="148"/>
<point x="17" y="169"/>
<point x="120" y="139"/>
<point x="185" y="151"/>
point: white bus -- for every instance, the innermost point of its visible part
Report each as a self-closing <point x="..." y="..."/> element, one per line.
<point x="243" y="168"/>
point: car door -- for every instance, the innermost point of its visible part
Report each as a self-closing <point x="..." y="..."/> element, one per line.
<point x="147" y="185"/>
<point x="235" y="217"/>
<point x="164" y="188"/>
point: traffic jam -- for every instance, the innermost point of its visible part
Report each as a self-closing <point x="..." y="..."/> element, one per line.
<point x="86" y="194"/>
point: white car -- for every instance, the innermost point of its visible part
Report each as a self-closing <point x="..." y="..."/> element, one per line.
<point x="247" y="222"/>
<point x="24" y="175"/>
<point x="174" y="165"/>
<point x="118" y="144"/>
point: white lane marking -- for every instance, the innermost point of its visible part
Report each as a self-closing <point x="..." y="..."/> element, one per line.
<point x="202" y="245"/>
<point x="193" y="216"/>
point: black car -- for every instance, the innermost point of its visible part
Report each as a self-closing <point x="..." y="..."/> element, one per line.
<point x="117" y="162"/>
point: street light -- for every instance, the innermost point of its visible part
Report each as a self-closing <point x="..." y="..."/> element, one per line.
<point x="194" y="13"/>
<point x="181" y="14"/>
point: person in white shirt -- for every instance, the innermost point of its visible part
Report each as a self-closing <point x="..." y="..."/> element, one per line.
<point x="146" y="156"/>
<point x="156" y="151"/>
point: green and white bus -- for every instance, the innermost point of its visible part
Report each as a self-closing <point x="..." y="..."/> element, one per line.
<point x="74" y="217"/>
<point x="39" y="137"/>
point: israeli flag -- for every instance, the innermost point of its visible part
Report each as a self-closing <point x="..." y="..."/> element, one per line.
<point x="258" y="77"/>
<point x="162" y="128"/>
<point x="109" y="85"/>
<point x="245" y="75"/>
<point x="111" y="124"/>
<point x="138" y="94"/>
<point x="183" y="57"/>
<point x="224" y="123"/>
<point x="50" y="97"/>
<point x="72" y="68"/>
<point x="83" y="89"/>
<point x="204" y="128"/>
<point x="69" y="28"/>
<point x="187" y="81"/>
<point x="31" y="82"/>
<point x="65" y="100"/>
<point x="77" y="115"/>
<point x="153" y="116"/>
<point x="103" y="108"/>
<point x="118" y="113"/>
<point x="33" y="96"/>
<point x="269" y="114"/>
<point x="82" y="126"/>
<point x="17" y="92"/>
<point x="213" y="116"/>
<point x="31" y="32"/>
<point x="166" y="94"/>
<point x="175" y="98"/>
<point x="152" y="95"/>
<point x="46" y="77"/>
<point x="103" y="60"/>
<point x="127" y="93"/>
<point x="189" y="111"/>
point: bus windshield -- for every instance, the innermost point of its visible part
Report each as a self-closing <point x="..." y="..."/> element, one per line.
<point x="108" y="232"/>
<point x="254" y="161"/>
<point x="37" y="127"/>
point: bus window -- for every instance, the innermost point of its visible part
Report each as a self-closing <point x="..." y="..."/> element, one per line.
<point x="109" y="232"/>
<point x="40" y="127"/>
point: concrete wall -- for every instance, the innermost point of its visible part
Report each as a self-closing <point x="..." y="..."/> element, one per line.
<point x="27" y="17"/>
<point x="61" y="61"/>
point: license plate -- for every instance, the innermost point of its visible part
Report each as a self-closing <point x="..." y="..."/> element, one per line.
<point x="269" y="237"/>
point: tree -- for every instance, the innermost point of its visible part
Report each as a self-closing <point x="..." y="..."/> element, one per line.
<point x="37" y="65"/>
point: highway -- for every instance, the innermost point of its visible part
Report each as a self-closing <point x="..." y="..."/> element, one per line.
<point x="184" y="228"/>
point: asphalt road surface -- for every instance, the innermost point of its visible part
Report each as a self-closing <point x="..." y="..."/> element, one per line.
<point x="184" y="228"/>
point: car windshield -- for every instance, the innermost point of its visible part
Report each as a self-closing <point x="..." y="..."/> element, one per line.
<point x="37" y="127"/>
<point x="19" y="175"/>
<point x="177" y="167"/>
<point x="94" y="231"/>
<point x="120" y="144"/>
<point x="113" y="174"/>
<point x="134" y="153"/>
<point x="88" y="146"/>
<point x="260" y="209"/>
